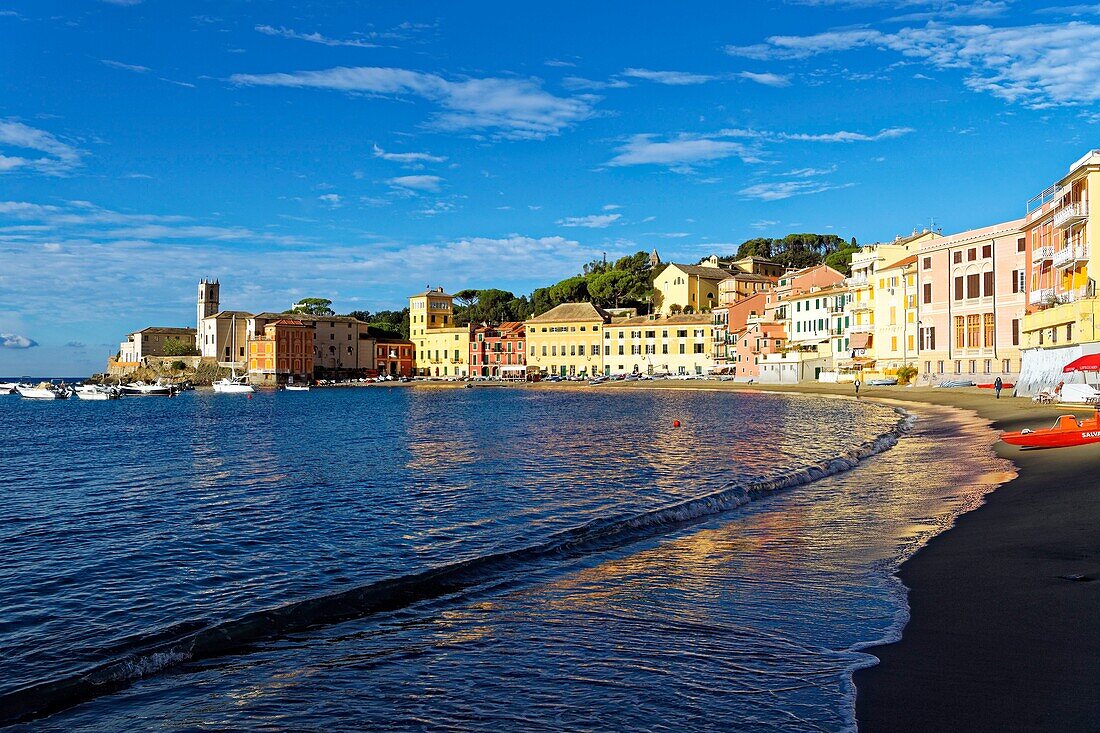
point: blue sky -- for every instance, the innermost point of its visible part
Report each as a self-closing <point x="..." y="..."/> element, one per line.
<point x="360" y="151"/>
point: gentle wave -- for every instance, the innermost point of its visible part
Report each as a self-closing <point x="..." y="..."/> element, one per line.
<point x="52" y="696"/>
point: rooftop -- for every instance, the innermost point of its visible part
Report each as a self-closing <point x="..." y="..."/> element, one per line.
<point x="570" y="312"/>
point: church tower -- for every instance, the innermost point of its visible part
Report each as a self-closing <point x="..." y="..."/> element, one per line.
<point x="209" y="295"/>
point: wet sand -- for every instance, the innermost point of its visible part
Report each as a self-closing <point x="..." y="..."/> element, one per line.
<point x="1004" y="632"/>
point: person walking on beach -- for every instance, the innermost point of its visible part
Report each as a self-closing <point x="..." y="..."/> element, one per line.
<point x="857" y="387"/>
<point x="997" y="385"/>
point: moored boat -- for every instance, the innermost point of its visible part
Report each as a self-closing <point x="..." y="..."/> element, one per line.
<point x="42" y="391"/>
<point x="96" y="392"/>
<point x="8" y="387"/>
<point x="141" y="389"/>
<point x="1067" y="431"/>
<point x="297" y="388"/>
<point x="232" y="385"/>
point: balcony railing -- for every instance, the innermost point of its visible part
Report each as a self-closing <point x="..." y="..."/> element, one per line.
<point x="1069" y="215"/>
<point x="858" y="305"/>
<point x="1070" y="255"/>
<point x="1042" y="253"/>
<point x="856" y="282"/>
<point x="1044" y="295"/>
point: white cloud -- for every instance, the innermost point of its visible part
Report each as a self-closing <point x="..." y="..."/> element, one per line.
<point x="125" y="67"/>
<point x="1073" y="10"/>
<point x="679" y="153"/>
<point x="416" y="183"/>
<point x="512" y="107"/>
<point x="611" y="207"/>
<point x="777" y="190"/>
<point x="672" y="78"/>
<point x="558" y="63"/>
<point x="578" y="83"/>
<point x="763" y="223"/>
<point x="1036" y="65"/>
<point x="809" y="172"/>
<point x="15" y="341"/>
<point x="593" y="221"/>
<point x="766" y="78"/>
<point x="331" y="199"/>
<point x="843" y="136"/>
<point x="313" y="37"/>
<point x="60" y="157"/>
<point x="122" y="2"/>
<point x="408" y="158"/>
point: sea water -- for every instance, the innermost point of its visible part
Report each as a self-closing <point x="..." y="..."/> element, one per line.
<point x="416" y="558"/>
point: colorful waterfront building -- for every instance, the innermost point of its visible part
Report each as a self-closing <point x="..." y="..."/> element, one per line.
<point x="672" y="345"/>
<point x="744" y="332"/>
<point x="688" y="288"/>
<point x="567" y="340"/>
<point x="972" y="293"/>
<point x="499" y="351"/>
<point x="394" y="357"/>
<point x="810" y="303"/>
<point x="155" y="341"/>
<point x="441" y="348"/>
<point x="861" y="306"/>
<point x="749" y="276"/>
<point x="1062" y="306"/>
<point x="342" y="345"/>
<point x="282" y="354"/>
<point x="895" y="315"/>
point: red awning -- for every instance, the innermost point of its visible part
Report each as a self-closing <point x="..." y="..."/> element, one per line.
<point x="861" y="340"/>
<point x="1088" y="363"/>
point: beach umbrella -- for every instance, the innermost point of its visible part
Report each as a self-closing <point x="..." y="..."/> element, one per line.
<point x="1088" y="363"/>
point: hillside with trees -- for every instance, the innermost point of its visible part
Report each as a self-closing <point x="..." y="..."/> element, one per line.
<point x="802" y="250"/>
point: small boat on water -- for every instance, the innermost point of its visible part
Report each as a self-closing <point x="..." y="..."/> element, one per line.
<point x="142" y="389"/>
<point x="1067" y="431"/>
<point x="232" y="384"/>
<point x="42" y="391"/>
<point x="96" y="392"/>
<point x="297" y="388"/>
<point x="8" y="387"/>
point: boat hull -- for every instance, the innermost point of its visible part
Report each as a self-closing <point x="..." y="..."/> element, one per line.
<point x="1065" y="433"/>
<point x="147" y="391"/>
<point x="232" y="388"/>
<point x="38" y="394"/>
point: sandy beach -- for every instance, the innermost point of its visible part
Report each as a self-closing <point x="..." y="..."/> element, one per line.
<point x="1005" y="626"/>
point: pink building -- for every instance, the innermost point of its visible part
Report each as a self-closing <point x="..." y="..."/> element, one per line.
<point x="971" y="290"/>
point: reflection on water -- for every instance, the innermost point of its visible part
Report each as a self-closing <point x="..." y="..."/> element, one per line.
<point x="742" y="623"/>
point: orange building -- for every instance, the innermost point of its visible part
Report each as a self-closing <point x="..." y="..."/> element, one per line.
<point x="394" y="357"/>
<point x="283" y="354"/>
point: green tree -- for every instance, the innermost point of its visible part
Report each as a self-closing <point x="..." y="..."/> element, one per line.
<point x="177" y="347"/>
<point x="313" y="307"/>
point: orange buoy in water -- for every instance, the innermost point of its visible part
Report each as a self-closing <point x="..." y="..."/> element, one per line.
<point x="675" y="423"/>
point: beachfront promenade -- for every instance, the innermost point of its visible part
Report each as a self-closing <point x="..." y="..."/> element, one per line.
<point x="1005" y="626"/>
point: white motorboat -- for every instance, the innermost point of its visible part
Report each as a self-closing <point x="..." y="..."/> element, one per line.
<point x="141" y="389"/>
<point x="297" y="388"/>
<point x="233" y="384"/>
<point x="42" y="391"/>
<point x="96" y="392"/>
<point x="8" y="387"/>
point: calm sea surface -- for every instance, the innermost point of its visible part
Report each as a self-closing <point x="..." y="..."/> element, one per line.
<point x="131" y="528"/>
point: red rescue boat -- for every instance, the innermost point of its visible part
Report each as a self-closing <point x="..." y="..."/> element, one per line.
<point x="1067" y="431"/>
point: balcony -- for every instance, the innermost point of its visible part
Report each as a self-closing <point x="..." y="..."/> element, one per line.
<point x="1069" y="215"/>
<point x="856" y="282"/>
<point x="1042" y="253"/>
<point x="1039" y="297"/>
<point x="857" y="306"/>
<point x="1069" y="256"/>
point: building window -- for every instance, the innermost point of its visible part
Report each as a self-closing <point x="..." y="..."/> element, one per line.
<point x="1021" y="244"/>
<point x="973" y="285"/>
<point x="959" y="288"/>
<point x="939" y="366"/>
<point x="1006" y="366"/>
<point x="973" y="331"/>
<point x="971" y="254"/>
<point x="960" y="332"/>
<point x="1069" y="332"/>
<point x="928" y="263"/>
<point x="1015" y="332"/>
<point x="988" y="284"/>
<point x="958" y="367"/>
<point x="989" y="330"/>
<point x="987" y="252"/>
<point x="928" y="292"/>
<point x="973" y="366"/>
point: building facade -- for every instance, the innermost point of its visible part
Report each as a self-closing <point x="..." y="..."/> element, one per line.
<point x="394" y="357"/>
<point x="282" y="353"/>
<point x="676" y="345"/>
<point x="688" y="288"/>
<point x="972" y="293"/>
<point x="1062" y="305"/>
<point x="342" y="346"/>
<point x="567" y="340"/>
<point x="223" y="337"/>
<point x="156" y="341"/>
<point x="440" y="348"/>
<point x="499" y="351"/>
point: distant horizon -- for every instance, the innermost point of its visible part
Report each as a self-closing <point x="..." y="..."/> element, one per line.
<point x="302" y="149"/>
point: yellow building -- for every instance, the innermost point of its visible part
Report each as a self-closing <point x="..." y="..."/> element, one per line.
<point x="1060" y="229"/>
<point x="688" y="288"/>
<point x="861" y="309"/>
<point x="442" y="349"/>
<point x="567" y="340"/>
<point x="653" y="345"/>
<point x="895" y="315"/>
